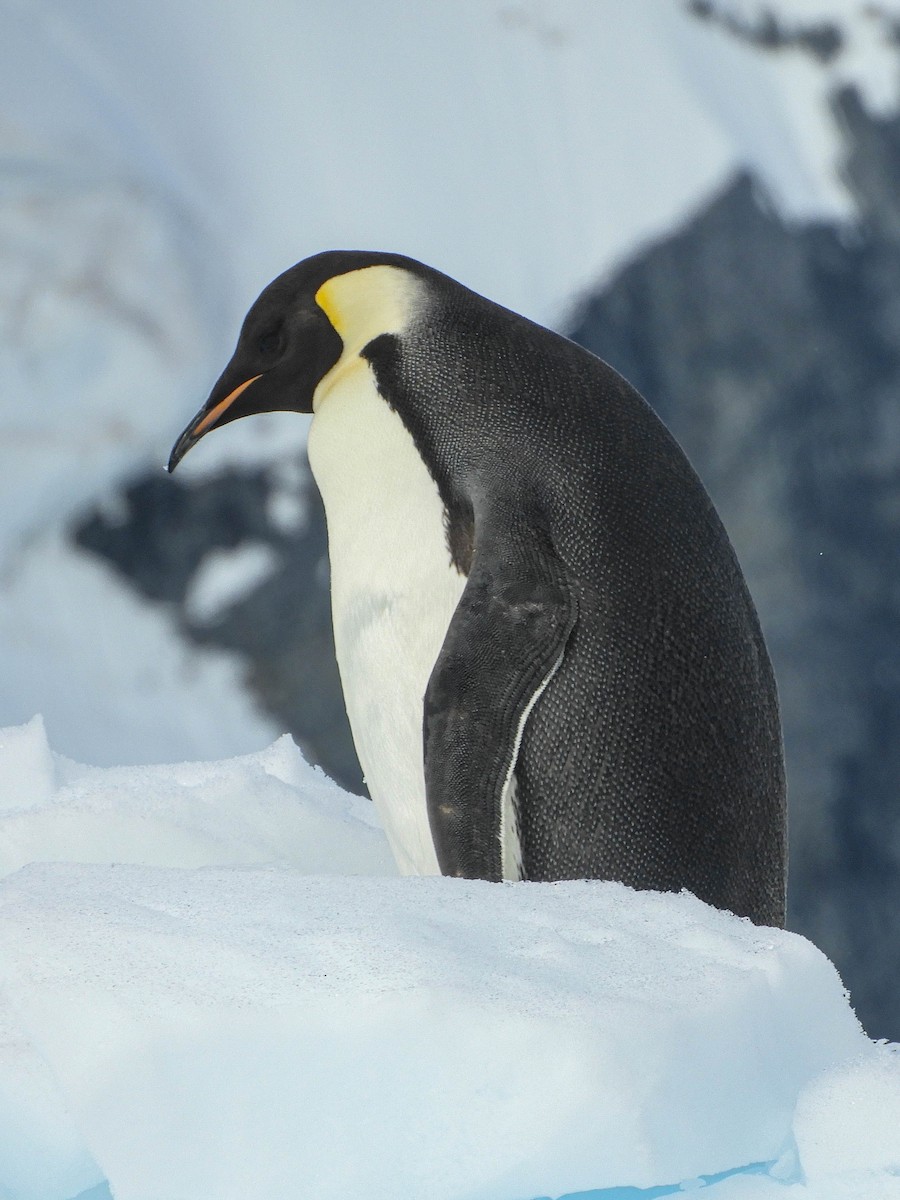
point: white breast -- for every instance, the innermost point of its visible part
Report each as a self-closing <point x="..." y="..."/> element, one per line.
<point x="393" y="593"/>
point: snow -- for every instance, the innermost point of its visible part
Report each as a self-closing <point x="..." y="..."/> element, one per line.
<point x="835" y="1132"/>
<point x="102" y="337"/>
<point x="521" y="146"/>
<point x="516" y="1037"/>
<point x="213" y="983"/>
<point x="868" y="56"/>
<point x="258" y="808"/>
<point x="100" y="332"/>
<point x="225" y="576"/>
<point x="113" y="680"/>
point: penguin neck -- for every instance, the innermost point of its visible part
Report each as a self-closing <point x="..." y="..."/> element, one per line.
<point x="362" y="305"/>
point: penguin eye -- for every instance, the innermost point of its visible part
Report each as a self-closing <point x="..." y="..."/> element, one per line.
<point x="269" y="342"/>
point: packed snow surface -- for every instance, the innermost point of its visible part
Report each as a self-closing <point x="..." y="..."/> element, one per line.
<point x="263" y="808"/>
<point x="228" y="992"/>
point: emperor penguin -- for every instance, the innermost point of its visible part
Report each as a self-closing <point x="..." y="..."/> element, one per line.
<point x="551" y="663"/>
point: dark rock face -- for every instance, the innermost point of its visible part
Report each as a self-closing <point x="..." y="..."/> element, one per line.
<point x="821" y="39"/>
<point x="773" y="352"/>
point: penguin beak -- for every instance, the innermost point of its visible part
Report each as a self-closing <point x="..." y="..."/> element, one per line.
<point x="207" y="418"/>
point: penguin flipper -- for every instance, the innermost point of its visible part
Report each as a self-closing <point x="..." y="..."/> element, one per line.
<point x="505" y="640"/>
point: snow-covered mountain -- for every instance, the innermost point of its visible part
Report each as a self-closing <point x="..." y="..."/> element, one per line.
<point x="160" y="163"/>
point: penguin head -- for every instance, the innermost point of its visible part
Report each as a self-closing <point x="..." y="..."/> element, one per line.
<point x="306" y="323"/>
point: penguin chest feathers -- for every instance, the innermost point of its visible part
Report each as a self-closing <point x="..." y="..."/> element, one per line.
<point x="394" y="588"/>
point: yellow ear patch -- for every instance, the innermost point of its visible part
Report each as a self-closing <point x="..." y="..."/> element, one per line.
<point x="365" y="303"/>
<point x="328" y="302"/>
<point x="362" y="305"/>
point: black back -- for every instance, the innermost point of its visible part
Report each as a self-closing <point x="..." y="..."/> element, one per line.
<point x="654" y="755"/>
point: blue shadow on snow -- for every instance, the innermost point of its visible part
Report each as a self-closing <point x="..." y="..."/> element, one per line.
<point x="669" y="1189"/>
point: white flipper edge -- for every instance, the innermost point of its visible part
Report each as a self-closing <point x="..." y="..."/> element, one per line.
<point x="510" y="844"/>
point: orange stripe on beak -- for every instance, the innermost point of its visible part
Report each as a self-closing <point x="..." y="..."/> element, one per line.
<point x="214" y="413"/>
